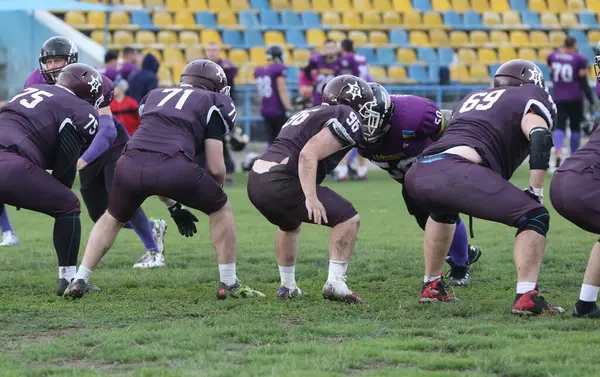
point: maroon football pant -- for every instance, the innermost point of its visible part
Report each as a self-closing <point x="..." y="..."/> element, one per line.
<point x="140" y="174"/>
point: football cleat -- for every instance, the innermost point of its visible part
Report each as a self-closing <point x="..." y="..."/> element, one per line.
<point x="159" y="228"/>
<point x="151" y="259"/>
<point x="458" y="276"/>
<point x="236" y="291"/>
<point x="531" y="303"/>
<point x="436" y="291"/>
<point x="336" y="292"/>
<point x="474" y="253"/>
<point x="63" y="283"/>
<point x="10" y="239"/>
<point x="76" y="289"/>
<point x="289" y="293"/>
<point x="594" y="313"/>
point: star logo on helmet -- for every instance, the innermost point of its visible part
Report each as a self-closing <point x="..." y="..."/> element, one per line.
<point x="94" y="84"/>
<point x="221" y="74"/>
<point x="354" y="90"/>
<point x="536" y="76"/>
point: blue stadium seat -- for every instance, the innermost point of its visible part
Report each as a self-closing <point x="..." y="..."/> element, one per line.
<point x="398" y="37"/>
<point x="587" y="51"/>
<point x="422" y="5"/>
<point x="233" y="38"/>
<point x="546" y="71"/>
<point x="445" y="55"/>
<point x="259" y="4"/>
<point x="580" y="35"/>
<point x="368" y="53"/>
<point x="311" y="20"/>
<point x="253" y="37"/>
<point x="292" y="74"/>
<point x="493" y="68"/>
<point x="427" y="55"/>
<point x="588" y="19"/>
<point x="519" y="5"/>
<point x="386" y="56"/>
<point x="419" y="73"/>
<point x="289" y="18"/>
<point x="206" y="19"/>
<point x="434" y="73"/>
<point x="248" y="19"/>
<point x="143" y="19"/>
<point x="472" y="20"/>
<point x="530" y="18"/>
<point x="452" y="18"/>
<point x="269" y="19"/>
<point x="296" y="38"/>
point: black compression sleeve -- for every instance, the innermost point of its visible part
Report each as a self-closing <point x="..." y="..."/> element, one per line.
<point x="215" y="129"/>
<point x="586" y="89"/>
<point x="67" y="155"/>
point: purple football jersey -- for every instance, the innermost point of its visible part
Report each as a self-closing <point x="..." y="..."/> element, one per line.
<point x="110" y="72"/>
<point x="343" y="122"/>
<point x="174" y="119"/>
<point x="266" y="82"/>
<point x="35" y="78"/>
<point x="230" y="70"/>
<point x="354" y="64"/>
<point x="415" y="122"/>
<point x="490" y="122"/>
<point x="323" y="72"/>
<point x="126" y="69"/>
<point x="565" y="75"/>
<point x="32" y="120"/>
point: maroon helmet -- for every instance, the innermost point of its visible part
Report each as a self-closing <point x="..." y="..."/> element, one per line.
<point x="108" y="91"/>
<point x="205" y="74"/>
<point x="597" y="62"/>
<point x="517" y="72"/>
<point x="84" y="81"/>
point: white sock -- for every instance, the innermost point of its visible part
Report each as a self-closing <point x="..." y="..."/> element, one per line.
<point x="83" y="273"/>
<point x="7" y="234"/>
<point x="337" y="271"/>
<point x="342" y="171"/>
<point x="227" y="272"/>
<point x="288" y="276"/>
<point x="430" y="279"/>
<point x="525" y="286"/>
<point x="589" y="293"/>
<point x="67" y="272"/>
<point x="361" y="171"/>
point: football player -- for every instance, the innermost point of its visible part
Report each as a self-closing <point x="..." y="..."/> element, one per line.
<point x="43" y="128"/>
<point x="491" y="133"/>
<point x="321" y="69"/>
<point x="284" y="183"/>
<point x="408" y="125"/>
<point x="177" y="123"/>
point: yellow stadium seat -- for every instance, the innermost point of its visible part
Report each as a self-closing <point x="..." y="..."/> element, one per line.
<point x="157" y="54"/>
<point x="351" y="19"/>
<point x="185" y="19"/>
<point x="196" y="5"/>
<point x="258" y="55"/>
<point x="481" y="6"/>
<point x="154" y="3"/>
<point x="506" y="53"/>
<point x="500" y="5"/>
<point x="402" y="5"/>
<point x="528" y="54"/>
<point x="382" y="5"/>
<point x="439" y="38"/>
<point x="592" y="74"/>
<point x="338" y="36"/>
<point x="315" y="37"/>
<point x="300" y="56"/>
<point x="226" y="19"/>
<point x="358" y="37"/>
<point x="132" y="2"/>
<point x="568" y="20"/>
<point x="119" y="18"/>
<point x="172" y="56"/>
<point x="479" y="72"/>
<point x="164" y="76"/>
<point x="193" y="53"/>
<point x="378" y="38"/>
<point x="341" y="5"/>
<point x="432" y="19"/>
<point x="577" y="5"/>
<point x="301" y="5"/>
<point x="557" y="6"/>
<point x="187" y="37"/>
<point x="491" y="19"/>
<point x="372" y="18"/>
<point x="499" y="37"/>
<point x="543" y="54"/>
<point x="461" y="6"/>
<point x="458" y="38"/>
<point x="557" y="38"/>
<point x="391" y="18"/>
<point x="98" y="37"/>
<point x="218" y="6"/>
<point x="378" y="74"/>
<point x="593" y="5"/>
<point x="539" y="38"/>
<point x="238" y="56"/>
<point x="441" y="5"/>
<point x="406" y="56"/>
<point x="397" y="73"/>
<point x="467" y="55"/>
<point x="239" y="5"/>
<point x="123" y="37"/>
<point x="459" y="72"/>
<point x="519" y="38"/>
<point x="487" y="56"/>
<point x="322" y="6"/>
<point x="274" y="38"/>
<point x="280" y="4"/>
<point x="175" y="5"/>
<point x="331" y="19"/>
<point x="537" y="6"/>
<point x="413" y="18"/>
<point x="209" y="36"/>
<point x="549" y="19"/>
<point x="418" y="38"/>
<point x="75" y="17"/>
<point x="167" y="37"/>
<point x="145" y="37"/>
<point x="511" y="18"/>
<point x="162" y="18"/>
<point x="362" y="5"/>
<point x="96" y="18"/>
<point x="479" y="37"/>
<point x="176" y="72"/>
<point x="594" y="37"/>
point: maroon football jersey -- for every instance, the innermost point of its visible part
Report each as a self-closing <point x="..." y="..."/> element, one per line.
<point x="490" y="122"/>
<point x="174" y="119"/>
<point x="32" y="120"/>
<point x="343" y="122"/>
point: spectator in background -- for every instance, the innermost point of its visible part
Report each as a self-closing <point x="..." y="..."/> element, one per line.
<point x="129" y="63"/>
<point x="125" y="108"/>
<point x="144" y="80"/>
<point x="110" y="70"/>
<point x="213" y="52"/>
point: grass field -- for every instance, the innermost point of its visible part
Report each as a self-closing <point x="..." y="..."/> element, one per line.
<point x="168" y="323"/>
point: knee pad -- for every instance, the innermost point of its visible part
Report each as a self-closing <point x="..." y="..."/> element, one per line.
<point x="445" y="218"/>
<point x="537" y="220"/>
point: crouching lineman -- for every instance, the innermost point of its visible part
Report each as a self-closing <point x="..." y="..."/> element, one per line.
<point x="177" y="124"/>
<point x="574" y="194"/>
<point x="407" y="126"/>
<point x="467" y="171"/>
<point x="43" y="128"/>
<point x="284" y="183"/>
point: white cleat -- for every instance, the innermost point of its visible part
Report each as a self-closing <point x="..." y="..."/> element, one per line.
<point x="151" y="259"/>
<point x="158" y="231"/>
<point x="10" y="239"/>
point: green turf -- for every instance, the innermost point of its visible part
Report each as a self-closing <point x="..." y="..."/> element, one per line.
<point x="168" y="323"/>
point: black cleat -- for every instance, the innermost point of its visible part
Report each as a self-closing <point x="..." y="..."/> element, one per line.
<point x="474" y="254"/>
<point x="458" y="276"/>
<point x="62" y="285"/>
<point x="592" y="313"/>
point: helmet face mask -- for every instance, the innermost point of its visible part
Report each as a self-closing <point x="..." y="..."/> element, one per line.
<point x="597" y="65"/>
<point x="377" y="114"/>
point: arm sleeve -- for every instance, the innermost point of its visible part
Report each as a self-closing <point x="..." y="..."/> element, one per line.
<point x="585" y="87"/>
<point x="215" y="129"/>
<point x="66" y="158"/>
<point x="107" y="133"/>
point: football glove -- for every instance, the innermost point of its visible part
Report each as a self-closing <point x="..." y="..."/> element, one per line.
<point x="184" y="219"/>
<point x="535" y="194"/>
